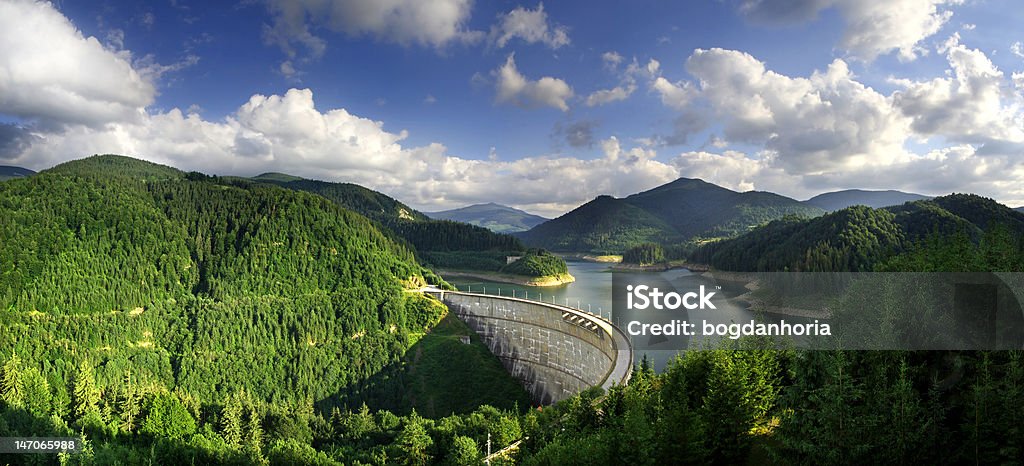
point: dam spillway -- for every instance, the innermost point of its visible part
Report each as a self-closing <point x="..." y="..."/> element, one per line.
<point x="554" y="351"/>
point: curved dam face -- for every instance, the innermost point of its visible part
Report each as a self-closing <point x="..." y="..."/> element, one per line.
<point x="555" y="351"/>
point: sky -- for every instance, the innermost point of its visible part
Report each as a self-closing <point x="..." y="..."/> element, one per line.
<point x="540" y="106"/>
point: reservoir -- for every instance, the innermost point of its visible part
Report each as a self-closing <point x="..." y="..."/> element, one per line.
<point x="592" y="291"/>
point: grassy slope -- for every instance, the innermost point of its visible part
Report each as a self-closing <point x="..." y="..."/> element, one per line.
<point x="444" y="375"/>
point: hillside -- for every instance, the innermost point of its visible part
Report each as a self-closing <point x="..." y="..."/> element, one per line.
<point x="202" y="287"/>
<point x="438" y="243"/>
<point x="8" y="172"/>
<point x="604" y="225"/>
<point x="494" y="217"/>
<point x="834" y="201"/>
<point x="683" y="210"/>
<point x="858" y="238"/>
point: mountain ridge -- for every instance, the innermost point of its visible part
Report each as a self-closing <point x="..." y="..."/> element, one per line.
<point x="684" y="210"/>
<point x="8" y="172"/>
<point x="491" y="215"/>
<point x="836" y="200"/>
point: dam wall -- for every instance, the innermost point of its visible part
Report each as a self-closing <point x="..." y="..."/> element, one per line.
<point x="554" y="351"/>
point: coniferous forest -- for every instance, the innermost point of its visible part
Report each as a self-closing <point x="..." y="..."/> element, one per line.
<point x="173" y="318"/>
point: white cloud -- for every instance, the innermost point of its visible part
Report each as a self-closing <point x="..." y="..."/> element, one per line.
<point x="430" y="99"/>
<point x="1017" y="49"/>
<point x="828" y="131"/>
<point x="531" y="26"/>
<point x="67" y="77"/>
<point x="872" y="28"/>
<point x="676" y="95"/>
<point x="653" y="67"/>
<point x="287" y="133"/>
<point x="828" y="121"/>
<point x="611" y="59"/>
<point x="405" y="22"/>
<point x="606" y="96"/>
<point x="970" y="105"/>
<point x="513" y="87"/>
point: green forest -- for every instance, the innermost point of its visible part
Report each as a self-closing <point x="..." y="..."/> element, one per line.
<point x="442" y="244"/>
<point x="685" y="211"/>
<point x="860" y="238"/>
<point x="644" y="254"/>
<point x="176" y="318"/>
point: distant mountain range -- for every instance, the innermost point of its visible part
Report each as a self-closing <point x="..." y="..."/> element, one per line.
<point x="683" y="210"/>
<point x="837" y="200"/>
<point x="8" y="172"/>
<point x="495" y="217"/>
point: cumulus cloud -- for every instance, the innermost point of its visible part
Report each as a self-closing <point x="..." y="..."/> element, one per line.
<point x="828" y="131"/>
<point x="970" y="105"/>
<point x="676" y="95"/>
<point x="405" y="22"/>
<point x="512" y="87"/>
<point x="530" y="26"/>
<point x="826" y="122"/>
<point x="607" y="96"/>
<point x="100" y="102"/>
<point x="872" y="28"/>
<point x="288" y="133"/>
<point x="67" y="78"/>
<point x="627" y="80"/>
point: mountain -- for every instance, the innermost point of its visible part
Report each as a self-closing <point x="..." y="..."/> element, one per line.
<point x="444" y="244"/>
<point x="834" y="201"/>
<point x="370" y="203"/>
<point x="495" y="217"/>
<point x="604" y="225"/>
<point x="8" y="172"/>
<point x="683" y="210"/>
<point x="858" y="238"/>
<point x="193" y="284"/>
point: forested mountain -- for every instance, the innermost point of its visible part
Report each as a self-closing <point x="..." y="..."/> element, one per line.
<point x="604" y="225"/>
<point x="494" y="217"/>
<point x="683" y="210"/>
<point x="138" y="301"/>
<point x="438" y="243"/>
<point x="8" y="172"/>
<point x="836" y="200"/>
<point x="857" y="238"/>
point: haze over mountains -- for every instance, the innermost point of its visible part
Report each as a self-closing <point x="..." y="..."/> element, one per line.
<point x="842" y="199"/>
<point x="493" y="216"/>
<point x="8" y="172"/>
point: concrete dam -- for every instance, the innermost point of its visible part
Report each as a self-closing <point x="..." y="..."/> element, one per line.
<point x="554" y="351"/>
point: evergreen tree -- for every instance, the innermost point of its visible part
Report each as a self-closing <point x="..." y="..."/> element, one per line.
<point x="86" y="394"/>
<point x="11" y="388"/>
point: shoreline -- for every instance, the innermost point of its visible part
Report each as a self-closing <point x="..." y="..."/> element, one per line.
<point x="660" y="267"/>
<point x="755" y="304"/>
<point x="584" y="257"/>
<point x="545" y="281"/>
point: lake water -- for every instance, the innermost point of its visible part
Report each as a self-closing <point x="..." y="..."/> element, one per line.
<point x="592" y="291"/>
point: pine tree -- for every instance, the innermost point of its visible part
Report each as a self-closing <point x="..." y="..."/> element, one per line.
<point x="413" y="442"/>
<point x="11" y="388"/>
<point x="231" y="421"/>
<point x="130" y="404"/>
<point x="86" y="394"/>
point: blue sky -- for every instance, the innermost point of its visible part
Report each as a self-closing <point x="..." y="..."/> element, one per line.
<point x="537" y="105"/>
